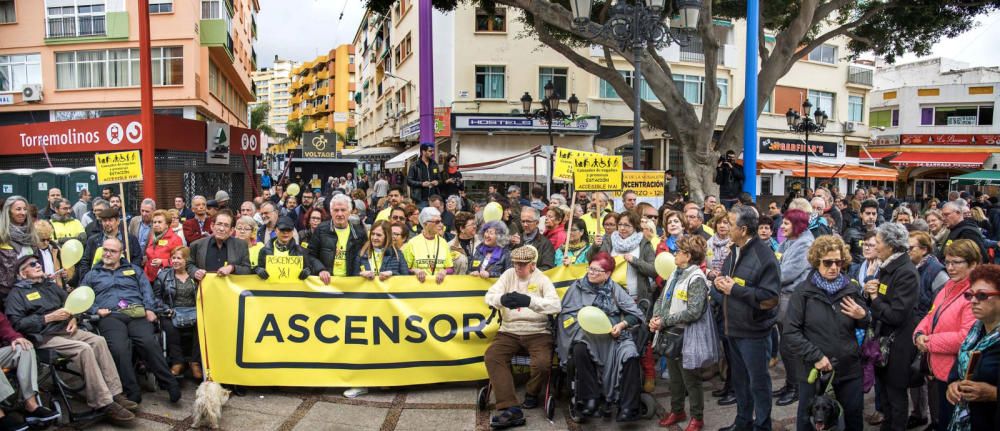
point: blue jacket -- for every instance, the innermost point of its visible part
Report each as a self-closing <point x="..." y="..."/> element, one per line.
<point x="128" y="283"/>
<point x="496" y="268"/>
<point x="392" y="261"/>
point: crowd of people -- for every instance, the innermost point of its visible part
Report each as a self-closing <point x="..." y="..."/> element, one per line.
<point x="872" y="293"/>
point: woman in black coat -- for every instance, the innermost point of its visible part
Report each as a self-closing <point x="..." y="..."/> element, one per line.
<point x="451" y="178"/>
<point x="892" y="299"/>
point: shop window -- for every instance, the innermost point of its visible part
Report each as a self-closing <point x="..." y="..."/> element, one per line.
<point x="972" y="115"/>
<point x="491" y="22"/>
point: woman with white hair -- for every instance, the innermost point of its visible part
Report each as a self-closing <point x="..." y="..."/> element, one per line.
<point x="428" y="253"/>
<point x="17" y="238"/>
<point x="492" y="257"/>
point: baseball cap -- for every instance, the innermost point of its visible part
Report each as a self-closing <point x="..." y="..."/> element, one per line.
<point x="285" y="223"/>
<point x="221" y="196"/>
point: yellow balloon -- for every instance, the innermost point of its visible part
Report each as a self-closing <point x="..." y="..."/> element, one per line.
<point x="664" y="264"/>
<point x="71" y="253"/>
<point x="492" y="212"/>
<point x="593" y="320"/>
<point x="80" y="300"/>
<point x="293" y="189"/>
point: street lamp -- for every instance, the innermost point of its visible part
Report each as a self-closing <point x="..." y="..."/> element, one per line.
<point x="548" y="113"/>
<point x="635" y="26"/>
<point x="805" y="124"/>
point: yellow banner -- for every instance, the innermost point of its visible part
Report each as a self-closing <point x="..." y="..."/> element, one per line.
<point x="353" y="333"/>
<point x="121" y="167"/>
<point x="646" y="184"/>
<point x="597" y="173"/>
<point x="565" y="160"/>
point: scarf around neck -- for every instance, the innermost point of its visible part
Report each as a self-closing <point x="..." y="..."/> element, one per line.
<point x="977" y="340"/>
<point x="602" y="294"/>
<point x="625" y="245"/>
<point x="490" y="254"/>
<point x="831" y="287"/>
<point x="20" y="236"/>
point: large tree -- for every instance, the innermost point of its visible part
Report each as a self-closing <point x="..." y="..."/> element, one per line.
<point x="886" y="28"/>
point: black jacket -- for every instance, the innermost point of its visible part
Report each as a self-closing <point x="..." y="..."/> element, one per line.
<point x="28" y="303"/>
<point x="546" y="253"/>
<point x="294" y="249"/>
<point x="418" y="173"/>
<point x="894" y="313"/>
<point x="966" y="229"/>
<point x="855" y="239"/>
<point x="453" y="188"/>
<point x="750" y="310"/>
<point x="323" y="246"/>
<point x="95" y="242"/>
<point x="814" y="327"/>
<point x="730" y="181"/>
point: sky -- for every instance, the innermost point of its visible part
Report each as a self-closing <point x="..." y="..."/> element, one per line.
<point x="301" y="30"/>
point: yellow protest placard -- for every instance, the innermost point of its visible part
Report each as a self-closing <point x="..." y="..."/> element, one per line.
<point x="645" y="184"/>
<point x="564" y="162"/>
<point x="283" y="269"/>
<point x="121" y="167"/>
<point x="597" y="173"/>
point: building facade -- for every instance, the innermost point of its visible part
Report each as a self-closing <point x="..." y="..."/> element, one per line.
<point x="272" y="87"/>
<point x="935" y="119"/>
<point x="322" y="93"/>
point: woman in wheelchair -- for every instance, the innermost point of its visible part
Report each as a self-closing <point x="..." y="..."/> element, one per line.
<point x="178" y="292"/>
<point x="605" y="366"/>
<point x="34" y="307"/>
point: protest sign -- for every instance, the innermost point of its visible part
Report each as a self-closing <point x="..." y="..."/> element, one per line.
<point x="565" y="160"/>
<point x="283" y="269"/>
<point x="597" y="173"/>
<point x="121" y="167"/>
<point x="645" y="184"/>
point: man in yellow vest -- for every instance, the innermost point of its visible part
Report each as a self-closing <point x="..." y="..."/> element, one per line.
<point x="64" y="226"/>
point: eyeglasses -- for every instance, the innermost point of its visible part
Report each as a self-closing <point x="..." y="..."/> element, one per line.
<point x="649" y="216"/>
<point x="953" y="262"/>
<point x="315" y="218"/>
<point x="593" y="270"/>
<point x="244" y="229"/>
<point x="833" y="262"/>
<point x="980" y="296"/>
<point x="433" y="221"/>
<point x="866" y="245"/>
<point x="34" y="264"/>
<point x="400" y="218"/>
<point x="625" y="225"/>
<point x="528" y="221"/>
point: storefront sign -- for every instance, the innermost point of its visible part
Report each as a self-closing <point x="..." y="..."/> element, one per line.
<point x="885" y="141"/>
<point x="492" y="123"/>
<point x="249" y="141"/>
<point x="217" y="143"/>
<point x="645" y="184"/>
<point x="409" y="131"/>
<point x="121" y="167"/>
<point x="597" y="173"/>
<point x="319" y="145"/>
<point x="951" y="139"/>
<point x="339" y="117"/>
<point x="797" y="147"/>
<point x="442" y="122"/>
<point x="101" y="134"/>
<point x="6" y="99"/>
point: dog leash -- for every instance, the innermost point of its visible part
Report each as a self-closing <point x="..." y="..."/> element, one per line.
<point x="207" y="371"/>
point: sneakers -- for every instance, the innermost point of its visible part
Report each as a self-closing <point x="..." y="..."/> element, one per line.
<point x="117" y="414"/>
<point x="355" y="392"/>
<point x="507" y="418"/>
<point x="123" y="401"/>
<point x="8" y="423"/>
<point x="41" y="415"/>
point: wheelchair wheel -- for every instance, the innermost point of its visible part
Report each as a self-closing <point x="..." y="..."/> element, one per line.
<point x="647" y="405"/>
<point x="575" y="414"/>
<point x="483" y="397"/>
<point x="550" y="406"/>
<point x="63" y="410"/>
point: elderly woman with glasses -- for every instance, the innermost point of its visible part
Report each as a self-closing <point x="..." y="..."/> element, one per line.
<point x="48" y="253"/>
<point x="428" y="254"/>
<point x="577" y="247"/>
<point x="607" y="365"/>
<point x="973" y="384"/>
<point x="823" y="313"/>
<point x="892" y="298"/>
<point x="492" y="256"/>
<point x="246" y="229"/>
<point x="941" y="332"/>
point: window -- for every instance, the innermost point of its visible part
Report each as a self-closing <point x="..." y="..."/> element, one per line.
<point x="558" y="77"/>
<point x="161" y="6"/>
<point x="723" y="91"/>
<point x="113" y="68"/>
<point x="211" y="9"/>
<point x="19" y="70"/>
<point x="7" y="14"/>
<point x="691" y="87"/>
<point x="822" y="100"/>
<point x="972" y="115"/>
<point x="490" y="82"/>
<point x="855" y="108"/>
<point x="887" y="118"/>
<point x="404" y="50"/>
<point x="73" y="18"/>
<point x="491" y="22"/>
<point x="608" y="92"/>
<point x="767" y="105"/>
<point x="824" y="54"/>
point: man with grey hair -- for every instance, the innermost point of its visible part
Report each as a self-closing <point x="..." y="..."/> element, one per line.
<point x="530" y="235"/>
<point x="90" y="221"/>
<point x="817" y="224"/>
<point x="82" y="205"/>
<point x="142" y="225"/>
<point x="336" y="244"/>
<point x="748" y="289"/>
<point x="830" y="208"/>
<point x="428" y="254"/>
<point x="961" y="227"/>
<point x="201" y="224"/>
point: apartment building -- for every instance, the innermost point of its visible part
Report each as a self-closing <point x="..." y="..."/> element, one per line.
<point x="272" y="86"/>
<point x="483" y="65"/>
<point x="935" y="119"/>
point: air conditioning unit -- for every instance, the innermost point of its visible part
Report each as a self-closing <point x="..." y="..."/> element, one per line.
<point x="849" y="126"/>
<point x="31" y="93"/>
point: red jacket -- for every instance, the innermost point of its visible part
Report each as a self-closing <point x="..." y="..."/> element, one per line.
<point x="7" y="332"/>
<point x="557" y="236"/>
<point x="191" y="231"/>
<point x="161" y="250"/>
<point x="955" y="319"/>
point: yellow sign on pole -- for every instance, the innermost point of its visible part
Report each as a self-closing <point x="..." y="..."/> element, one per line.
<point x="564" y="162"/>
<point x="597" y="173"/>
<point x="283" y="269"/>
<point x="122" y="167"/>
<point x="645" y="184"/>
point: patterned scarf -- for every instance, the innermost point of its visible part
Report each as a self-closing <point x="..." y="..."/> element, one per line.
<point x="21" y="236"/>
<point x="831" y="287"/>
<point x="975" y="341"/>
<point x="625" y="245"/>
<point x="602" y="294"/>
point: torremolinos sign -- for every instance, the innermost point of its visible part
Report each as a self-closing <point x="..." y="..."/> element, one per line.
<point x="101" y="134"/>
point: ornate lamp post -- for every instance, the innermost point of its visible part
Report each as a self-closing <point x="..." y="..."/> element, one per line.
<point x="549" y="112"/>
<point x="635" y="26"/>
<point x="805" y="124"/>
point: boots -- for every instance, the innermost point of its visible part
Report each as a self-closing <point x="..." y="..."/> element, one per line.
<point x="177" y="370"/>
<point x="196" y="371"/>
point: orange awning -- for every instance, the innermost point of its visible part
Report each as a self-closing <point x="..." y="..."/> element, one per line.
<point x="816" y="170"/>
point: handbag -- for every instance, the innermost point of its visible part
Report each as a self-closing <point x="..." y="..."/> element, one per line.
<point x="184" y="317"/>
<point x="670" y="342"/>
<point x="701" y="343"/>
<point x="134" y="311"/>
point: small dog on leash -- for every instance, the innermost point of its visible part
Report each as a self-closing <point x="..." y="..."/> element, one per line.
<point x="208" y="403"/>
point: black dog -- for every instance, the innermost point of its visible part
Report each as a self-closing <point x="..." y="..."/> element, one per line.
<point x="824" y="413"/>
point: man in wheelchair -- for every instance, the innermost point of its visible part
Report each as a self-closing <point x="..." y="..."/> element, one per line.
<point x="34" y="307"/>
<point x="525" y="298"/>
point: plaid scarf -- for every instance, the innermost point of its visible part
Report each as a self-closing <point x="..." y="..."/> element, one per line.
<point x="976" y="340"/>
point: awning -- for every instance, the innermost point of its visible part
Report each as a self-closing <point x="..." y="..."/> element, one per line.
<point x="399" y="162"/>
<point x="819" y="170"/>
<point x="522" y="167"/>
<point x="940" y="160"/>
<point x="370" y="151"/>
<point x="978" y="178"/>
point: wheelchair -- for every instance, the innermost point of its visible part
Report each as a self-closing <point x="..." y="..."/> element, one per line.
<point x="64" y="387"/>
<point x="145" y="377"/>
<point x="16" y="402"/>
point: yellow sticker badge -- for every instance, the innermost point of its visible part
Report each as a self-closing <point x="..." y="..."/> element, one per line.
<point x="682" y="295"/>
<point x="568" y="322"/>
<point x="34" y="296"/>
<point x="882" y="288"/>
<point x="532" y="288"/>
<point x="161" y="243"/>
<point x="128" y="272"/>
<point x="740" y="281"/>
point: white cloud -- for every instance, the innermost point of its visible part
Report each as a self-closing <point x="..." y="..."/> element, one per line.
<point x="301" y="30"/>
<point x="977" y="47"/>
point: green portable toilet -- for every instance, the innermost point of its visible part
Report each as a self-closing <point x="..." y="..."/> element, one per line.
<point x="79" y="179"/>
<point x="14" y="182"/>
<point x="44" y="179"/>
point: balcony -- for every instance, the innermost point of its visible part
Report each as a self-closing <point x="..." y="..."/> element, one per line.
<point x="860" y="76"/>
<point x="694" y="52"/>
<point x="215" y="35"/>
<point x="86" y="28"/>
<point x="323" y="91"/>
<point x="323" y="75"/>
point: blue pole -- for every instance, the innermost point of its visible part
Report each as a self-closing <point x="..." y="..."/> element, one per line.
<point x="750" y="101"/>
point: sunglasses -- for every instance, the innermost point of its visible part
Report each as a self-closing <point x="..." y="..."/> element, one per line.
<point x="398" y="218"/>
<point x="831" y="262"/>
<point x="980" y="296"/>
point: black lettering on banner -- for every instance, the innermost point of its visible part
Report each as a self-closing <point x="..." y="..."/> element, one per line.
<point x="478" y="329"/>
<point x="269" y="329"/>
<point x="379" y="327"/>
<point x="351" y="330"/>
<point x="432" y="326"/>
<point x="318" y="328"/>
<point x="293" y="325"/>
<point x="410" y="326"/>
